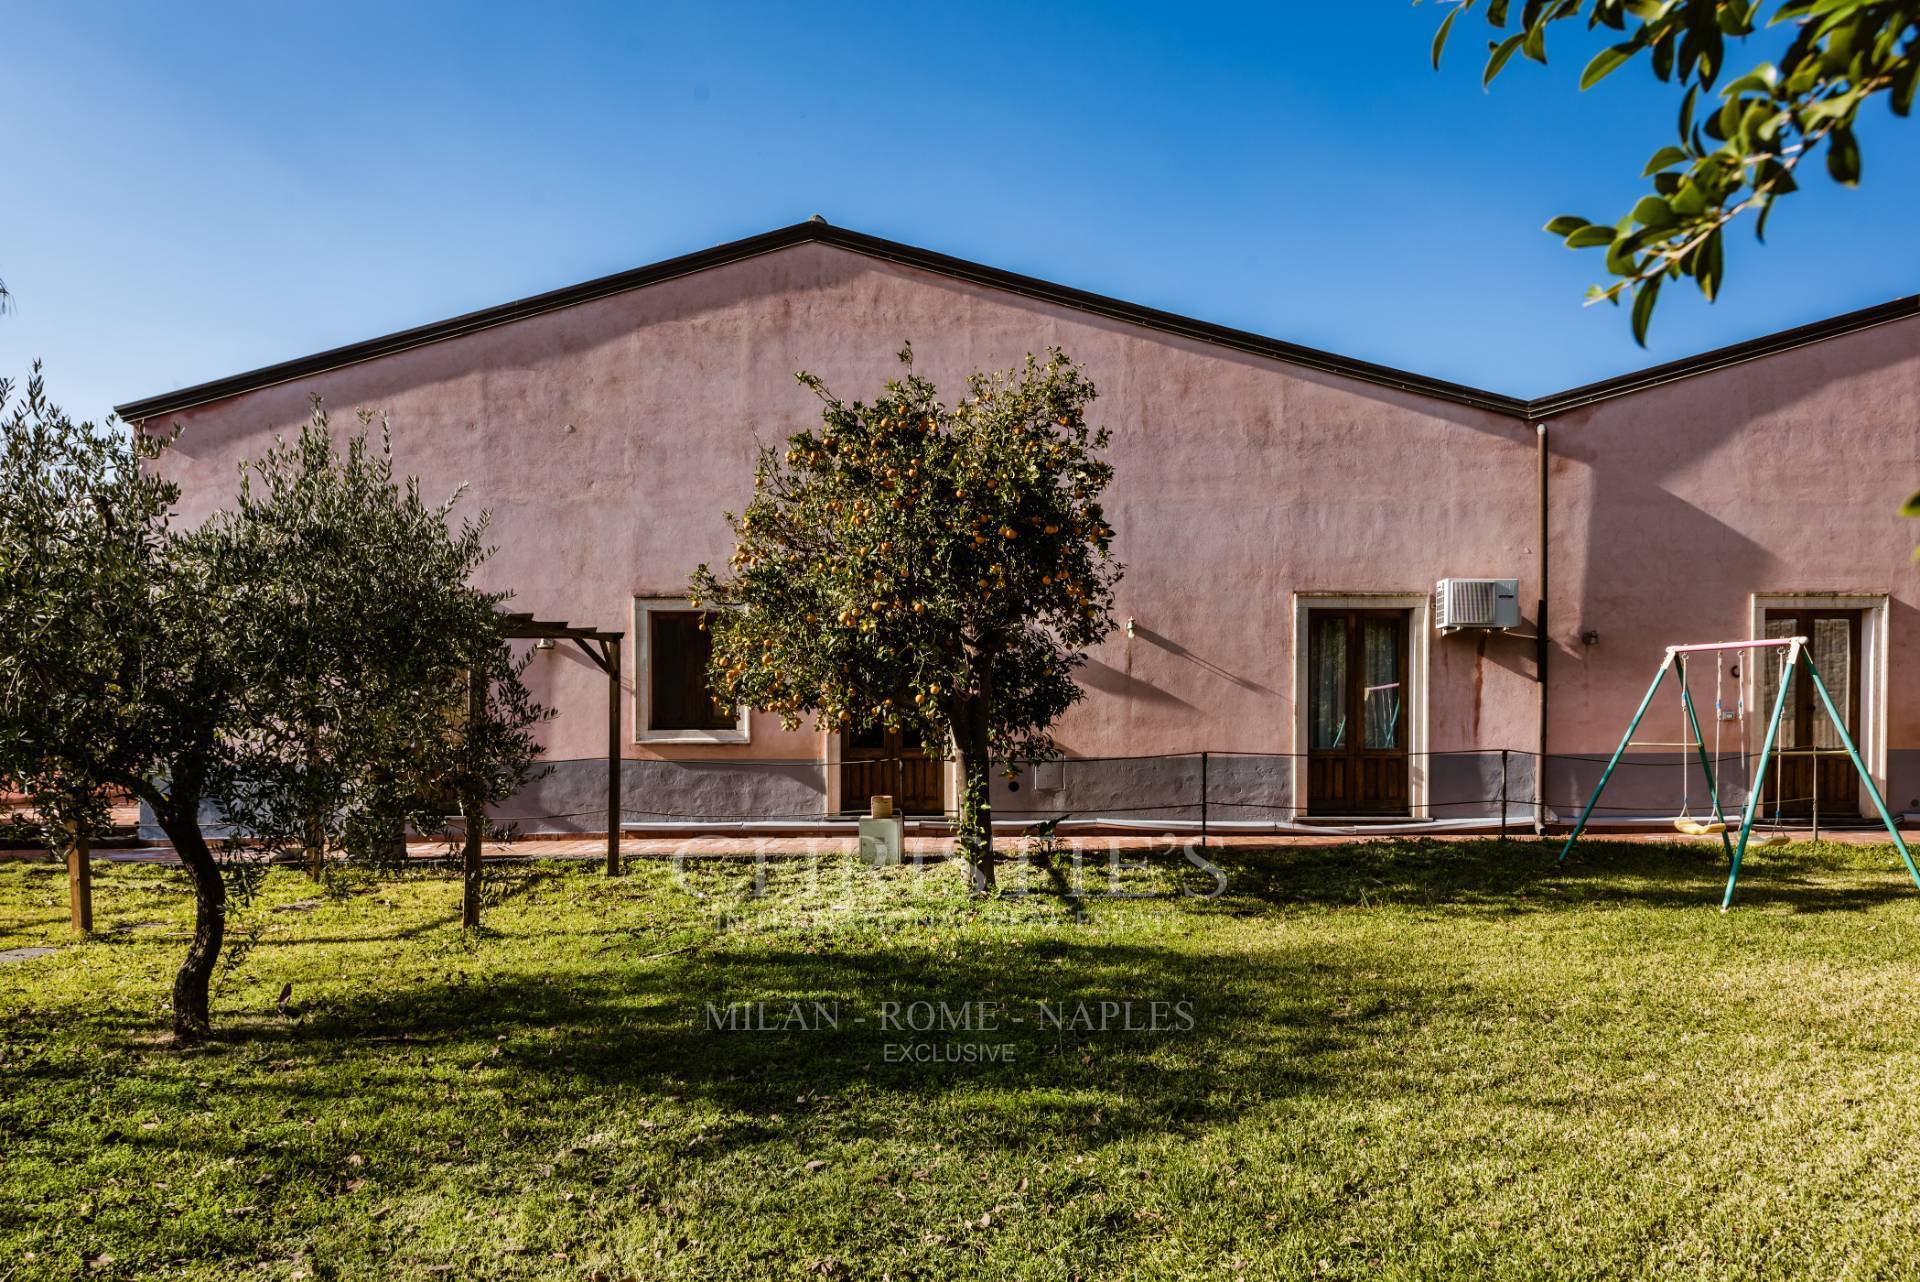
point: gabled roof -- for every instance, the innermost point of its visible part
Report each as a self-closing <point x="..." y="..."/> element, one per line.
<point x="817" y="231"/>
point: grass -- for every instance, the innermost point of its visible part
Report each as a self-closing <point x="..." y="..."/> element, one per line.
<point x="1405" y="1060"/>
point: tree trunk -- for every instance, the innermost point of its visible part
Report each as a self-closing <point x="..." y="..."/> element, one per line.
<point x="475" y="823"/>
<point x="974" y="835"/>
<point x="315" y="835"/>
<point x="191" y="986"/>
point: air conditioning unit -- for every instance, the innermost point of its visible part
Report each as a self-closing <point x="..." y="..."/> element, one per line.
<point x="1476" y="603"/>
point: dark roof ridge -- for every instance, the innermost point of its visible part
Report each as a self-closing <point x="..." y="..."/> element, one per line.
<point x="817" y="230"/>
<point x="1721" y="357"/>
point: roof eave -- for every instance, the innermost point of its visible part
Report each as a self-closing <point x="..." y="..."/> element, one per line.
<point x="816" y="231"/>
<point x="857" y="242"/>
<point x="1724" y="357"/>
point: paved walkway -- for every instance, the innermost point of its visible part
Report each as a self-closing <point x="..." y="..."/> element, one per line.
<point x="738" y="847"/>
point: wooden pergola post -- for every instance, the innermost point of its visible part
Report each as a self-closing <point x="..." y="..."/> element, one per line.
<point x="612" y="649"/>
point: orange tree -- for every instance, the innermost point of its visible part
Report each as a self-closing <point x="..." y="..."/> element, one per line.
<point x="927" y="568"/>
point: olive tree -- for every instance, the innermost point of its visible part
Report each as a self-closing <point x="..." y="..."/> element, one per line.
<point x="366" y="647"/>
<point x="138" y="658"/>
<point x="925" y="567"/>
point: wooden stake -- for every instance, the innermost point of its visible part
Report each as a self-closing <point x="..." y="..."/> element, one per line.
<point x="80" y="879"/>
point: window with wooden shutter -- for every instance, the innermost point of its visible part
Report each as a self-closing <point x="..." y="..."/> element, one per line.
<point x="677" y="701"/>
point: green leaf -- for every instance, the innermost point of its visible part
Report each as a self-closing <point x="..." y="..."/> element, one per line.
<point x="1838" y="107"/>
<point x="1911" y="507"/>
<point x="1665" y="158"/>
<point x="1736" y="17"/>
<point x="1606" y="61"/>
<point x="1643" y="309"/>
<point x="1904" y="82"/>
<point x="1535" y="44"/>
<point x="1501" y="52"/>
<point x="1589" y="237"/>
<point x="1654" y="212"/>
<point x="1764" y="78"/>
<point x="1567" y="224"/>
<point x="1843" y="157"/>
<point x="1440" y="36"/>
<point x="1710" y="265"/>
<point x="1620" y="259"/>
<point x="1689" y="202"/>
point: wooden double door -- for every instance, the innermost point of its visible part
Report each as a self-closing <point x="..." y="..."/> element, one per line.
<point x="1812" y="757"/>
<point x="879" y="762"/>
<point x="1357" y="707"/>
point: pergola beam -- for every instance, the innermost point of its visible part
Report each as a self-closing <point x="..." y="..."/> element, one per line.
<point x="524" y="627"/>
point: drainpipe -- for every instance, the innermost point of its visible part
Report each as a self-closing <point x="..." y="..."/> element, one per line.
<point x="1541" y="644"/>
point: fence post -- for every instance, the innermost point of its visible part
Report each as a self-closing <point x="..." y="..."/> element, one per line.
<point x="1503" y="794"/>
<point x="1815" y="759"/>
<point x="1203" y="801"/>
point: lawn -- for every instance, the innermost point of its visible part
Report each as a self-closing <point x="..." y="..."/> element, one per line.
<point x="1399" y="1060"/>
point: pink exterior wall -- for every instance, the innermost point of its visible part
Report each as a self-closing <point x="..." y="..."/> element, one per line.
<point x="609" y="437"/>
<point x="1673" y="506"/>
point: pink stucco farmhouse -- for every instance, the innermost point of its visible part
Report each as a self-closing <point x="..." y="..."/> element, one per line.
<point x="1352" y="593"/>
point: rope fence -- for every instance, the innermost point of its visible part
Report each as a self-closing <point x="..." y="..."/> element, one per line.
<point x="1231" y="791"/>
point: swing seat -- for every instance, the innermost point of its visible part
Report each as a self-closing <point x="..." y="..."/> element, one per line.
<point x="1695" y="828"/>
<point x="1775" y="839"/>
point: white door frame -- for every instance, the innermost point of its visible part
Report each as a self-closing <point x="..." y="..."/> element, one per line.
<point x="1872" y="739"/>
<point x="830" y="753"/>
<point x="1419" y="608"/>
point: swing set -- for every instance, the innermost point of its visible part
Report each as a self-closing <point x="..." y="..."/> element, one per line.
<point x="1797" y="659"/>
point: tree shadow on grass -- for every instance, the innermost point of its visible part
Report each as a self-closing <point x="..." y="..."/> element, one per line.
<point x="1255" y="1028"/>
<point x="529" y="1083"/>
<point x="1501" y="878"/>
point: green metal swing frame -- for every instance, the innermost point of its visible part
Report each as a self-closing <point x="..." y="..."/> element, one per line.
<point x="1798" y="659"/>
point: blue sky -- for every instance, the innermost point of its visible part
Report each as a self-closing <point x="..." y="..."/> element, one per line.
<point x="197" y="190"/>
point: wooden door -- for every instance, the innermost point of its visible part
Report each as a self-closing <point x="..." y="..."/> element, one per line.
<point x="1357" y="706"/>
<point x="1811" y="753"/>
<point x="879" y="762"/>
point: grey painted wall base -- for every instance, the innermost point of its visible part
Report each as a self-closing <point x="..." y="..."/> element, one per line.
<point x="571" y="795"/>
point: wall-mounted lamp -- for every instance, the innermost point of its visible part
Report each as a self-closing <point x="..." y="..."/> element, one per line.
<point x="1129" y="625"/>
<point x="544" y="643"/>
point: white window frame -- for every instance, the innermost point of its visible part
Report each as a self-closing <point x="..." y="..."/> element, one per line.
<point x="1419" y="608"/>
<point x="1872" y="739"/>
<point x="643" y="607"/>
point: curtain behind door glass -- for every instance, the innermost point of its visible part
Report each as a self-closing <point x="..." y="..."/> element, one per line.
<point x="1772" y="661"/>
<point x="1384" y="683"/>
<point x="1833" y="657"/>
<point x="1327" y="656"/>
